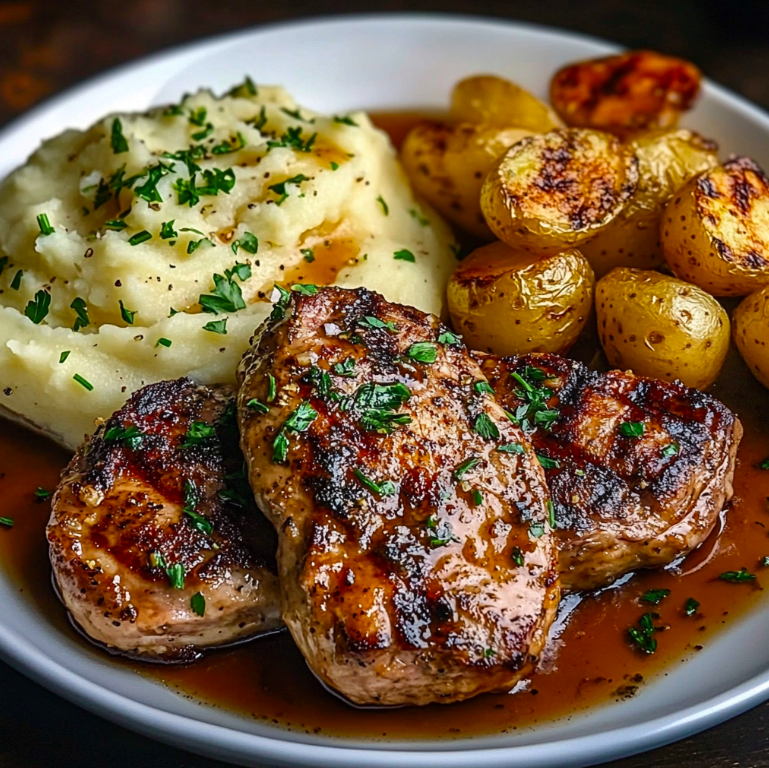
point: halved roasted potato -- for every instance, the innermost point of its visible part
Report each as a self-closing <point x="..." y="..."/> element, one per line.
<point x="553" y="191"/>
<point x="715" y="231"/>
<point x="510" y="302"/>
<point x="448" y="163"/>
<point x="666" y="161"/>
<point x="624" y="94"/>
<point x="493" y="101"/>
<point x="751" y="333"/>
<point x="661" y="327"/>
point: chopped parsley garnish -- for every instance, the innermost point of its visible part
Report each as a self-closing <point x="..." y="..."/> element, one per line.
<point x="404" y="255"/>
<point x="259" y="122"/>
<point x="671" y="449"/>
<point x="16" y="282"/>
<point x="41" y="494"/>
<point x="127" y="314"/>
<point x="385" y="207"/>
<point x="64" y="355"/>
<point x="369" y="321"/>
<point x="217" y="326"/>
<point x="292" y="139"/>
<point x="226" y="295"/>
<point x="486" y="428"/>
<point x="345" y="368"/>
<point x="534" y="411"/>
<point x="632" y="429"/>
<point x="272" y="388"/>
<point x="175" y="574"/>
<point x="643" y="635"/>
<point x="466" y="466"/>
<point x="7" y="522"/>
<point x="297" y="115"/>
<point x="450" y="339"/>
<point x="334" y="166"/>
<point x="115" y="224"/>
<point x="197" y="521"/>
<point x="655" y="596"/>
<point x="737" y="577"/>
<point x="157" y="560"/>
<point x="173" y="110"/>
<point x="377" y="404"/>
<point x="131" y="436"/>
<point x="280" y="306"/>
<point x="188" y="157"/>
<point x="308" y="255"/>
<point x="149" y="190"/>
<point x="198" y="116"/>
<point x="197" y="433"/>
<point x="3" y="263"/>
<point x="167" y="231"/>
<point x="81" y="310"/>
<point x="477" y="497"/>
<point x="305" y="289"/>
<point x="320" y="380"/>
<point x="511" y="448"/>
<point x="298" y="421"/>
<point x="193" y="245"/>
<point x="118" y="141"/>
<point x="257" y="405"/>
<point x="764" y="561"/>
<point x="280" y="187"/>
<point x="536" y="529"/>
<point x="204" y="134"/>
<point x="691" y="606"/>
<point x="83" y="382"/>
<point x="214" y="181"/>
<point x="198" y="604"/>
<point x="551" y="521"/>
<point x="163" y="342"/>
<point x="423" y="352"/>
<point x="547" y="462"/>
<point x="44" y="225"/>
<point x="763" y="465"/>
<point x="415" y="214"/>
<point x="441" y="534"/>
<point x="345" y="120"/>
<point x="246" y="88"/>
<point x="517" y="556"/>
<point x="248" y="243"/>
<point x="37" y="309"/>
<point x="139" y="237"/>
<point x="387" y="488"/>
<point x="483" y="388"/>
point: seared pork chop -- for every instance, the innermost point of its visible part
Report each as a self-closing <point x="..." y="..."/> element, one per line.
<point x="157" y="548"/>
<point x="415" y="557"/>
<point x="638" y="469"/>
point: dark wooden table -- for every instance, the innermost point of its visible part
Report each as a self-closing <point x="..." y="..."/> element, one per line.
<point x="46" y="46"/>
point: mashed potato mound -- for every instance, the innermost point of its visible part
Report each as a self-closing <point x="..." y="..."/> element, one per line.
<point x="148" y="246"/>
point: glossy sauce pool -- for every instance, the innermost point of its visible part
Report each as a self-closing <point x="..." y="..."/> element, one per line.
<point x="589" y="661"/>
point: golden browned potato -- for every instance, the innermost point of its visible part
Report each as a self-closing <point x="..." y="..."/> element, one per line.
<point x="666" y="161"/>
<point x="661" y="327"/>
<point x="556" y="190"/>
<point x="625" y="94"/>
<point x="715" y="231"/>
<point x="448" y="163"/>
<point x="509" y="302"/>
<point x="751" y="333"/>
<point x="493" y="101"/>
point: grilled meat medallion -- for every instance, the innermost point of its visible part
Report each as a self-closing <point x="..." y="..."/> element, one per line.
<point x="415" y="557"/>
<point x="638" y="469"/>
<point x="157" y="548"/>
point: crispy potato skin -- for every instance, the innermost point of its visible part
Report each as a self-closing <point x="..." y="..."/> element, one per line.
<point x="493" y="101"/>
<point x="750" y="323"/>
<point x="661" y="327"/>
<point x="625" y="94"/>
<point x="509" y="302"/>
<point x="554" y="191"/>
<point x="715" y="231"/>
<point x="666" y="161"/>
<point x="447" y="164"/>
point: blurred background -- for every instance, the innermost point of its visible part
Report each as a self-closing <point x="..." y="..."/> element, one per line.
<point x="48" y="45"/>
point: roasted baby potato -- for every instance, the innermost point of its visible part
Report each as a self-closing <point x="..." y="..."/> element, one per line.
<point x="448" y="163"/>
<point x="625" y="94"/>
<point x="494" y="101"/>
<point x="553" y="191"/>
<point x="510" y="302"/>
<point x="715" y="231"/>
<point x="751" y="333"/>
<point x="666" y="161"/>
<point x="661" y="327"/>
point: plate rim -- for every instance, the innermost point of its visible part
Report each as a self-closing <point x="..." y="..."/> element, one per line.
<point x="234" y="745"/>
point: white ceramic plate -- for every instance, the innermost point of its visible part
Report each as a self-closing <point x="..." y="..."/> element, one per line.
<point x="378" y="62"/>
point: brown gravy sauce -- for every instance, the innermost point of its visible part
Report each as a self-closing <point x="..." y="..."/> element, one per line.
<point x="589" y="663"/>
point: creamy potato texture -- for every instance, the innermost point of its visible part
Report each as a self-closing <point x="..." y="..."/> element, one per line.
<point x="148" y="246"/>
